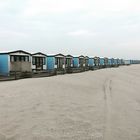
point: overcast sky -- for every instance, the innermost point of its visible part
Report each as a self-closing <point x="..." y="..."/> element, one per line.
<point x="90" y="27"/>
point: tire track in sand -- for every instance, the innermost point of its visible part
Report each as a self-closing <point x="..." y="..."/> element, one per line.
<point x="107" y="89"/>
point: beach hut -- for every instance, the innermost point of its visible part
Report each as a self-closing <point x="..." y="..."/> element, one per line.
<point x="78" y="64"/>
<point x="86" y="63"/>
<point x="110" y="62"/>
<point x="91" y="63"/>
<point x="96" y="62"/>
<point x="106" y="62"/>
<point x="69" y="63"/>
<point x="81" y="61"/>
<point x="121" y="62"/>
<point x="127" y="62"/>
<point x="102" y="62"/>
<point x="56" y="63"/>
<point x="116" y="63"/>
<point x="39" y="62"/>
<point x="15" y="61"/>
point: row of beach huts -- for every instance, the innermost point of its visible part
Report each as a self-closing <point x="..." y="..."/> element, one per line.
<point x="38" y="63"/>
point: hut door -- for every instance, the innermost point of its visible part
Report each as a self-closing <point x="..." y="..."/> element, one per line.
<point x="68" y="61"/>
<point x="39" y="63"/>
<point x="60" y="62"/>
<point x="81" y="62"/>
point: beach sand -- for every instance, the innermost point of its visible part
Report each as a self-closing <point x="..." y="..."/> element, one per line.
<point x="94" y="105"/>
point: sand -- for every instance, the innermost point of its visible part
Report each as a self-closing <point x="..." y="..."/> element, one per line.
<point x="94" y="105"/>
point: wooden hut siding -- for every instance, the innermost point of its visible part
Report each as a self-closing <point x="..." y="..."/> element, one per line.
<point x="102" y="62"/>
<point x="115" y="62"/>
<point x="110" y="62"/>
<point x="91" y="62"/>
<point x="4" y="64"/>
<point x="76" y="62"/>
<point x="50" y="62"/>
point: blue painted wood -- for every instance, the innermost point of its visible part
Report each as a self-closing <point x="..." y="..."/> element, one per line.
<point x="4" y="69"/>
<point x="76" y="62"/>
<point x="50" y="62"/>
<point x="91" y="62"/>
<point x="102" y="62"/>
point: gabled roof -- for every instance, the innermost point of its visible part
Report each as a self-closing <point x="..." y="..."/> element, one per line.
<point x="97" y="57"/>
<point x="18" y="51"/>
<point x="70" y="56"/>
<point x="59" y="55"/>
<point x="81" y="56"/>
<point x="39" y="53"/>
<point x="86" y="57"/>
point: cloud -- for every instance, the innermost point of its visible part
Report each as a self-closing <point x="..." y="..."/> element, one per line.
<point x="46" y="7"/>
<point x="104" y="27"/>
<point x="81" y="33"/>
<point x="9" y="34"/>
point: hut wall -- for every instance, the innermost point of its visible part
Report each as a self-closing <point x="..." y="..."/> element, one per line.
<point x="102" y="61"/>
<point x="20" y="66"/>
<point x="76" y="62"/>
<point x="50" y="62"/>
<point x="110" y="62"/>
<point x="4" y="64"/>
<point x="91" y="62"/>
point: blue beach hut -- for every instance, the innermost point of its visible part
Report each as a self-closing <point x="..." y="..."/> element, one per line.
<point x="76" y="62"/>
<point x="91" y="63"/>
<point x="116" y="62"/>
<point x="56" y="63"/>
<point x="102" y="62"/>
<point x="110" y="62"/>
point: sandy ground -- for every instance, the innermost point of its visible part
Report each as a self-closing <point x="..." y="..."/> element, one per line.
<point x="95" y="105"/>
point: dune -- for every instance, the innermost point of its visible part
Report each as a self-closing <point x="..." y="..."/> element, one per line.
<point x="94" y="105"/>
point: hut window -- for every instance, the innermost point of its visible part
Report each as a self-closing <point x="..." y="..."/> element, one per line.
<point x="22" y="58"/>
<point x="44" y="62"/>
<point x="12" y="58"/>
<point x="33" y="61"/>
<point x="63" y="61"/>
<point x="26" y="58"/>
<point x="19" y="58"/>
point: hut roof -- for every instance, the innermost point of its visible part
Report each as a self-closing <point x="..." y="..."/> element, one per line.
<point x="18" y="51"/>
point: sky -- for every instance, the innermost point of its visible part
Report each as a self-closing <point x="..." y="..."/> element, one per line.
<point x="105" y="28"/>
